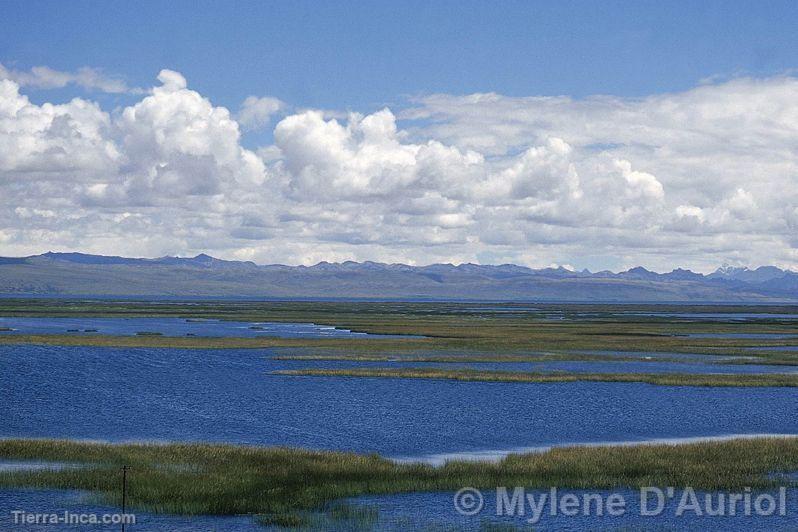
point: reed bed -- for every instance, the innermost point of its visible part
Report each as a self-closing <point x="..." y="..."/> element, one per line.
<point x="279" y="484"/>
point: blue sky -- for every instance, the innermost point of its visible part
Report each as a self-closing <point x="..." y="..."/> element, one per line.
<point x="588" y="134"/>
<point x="363" y="55"/>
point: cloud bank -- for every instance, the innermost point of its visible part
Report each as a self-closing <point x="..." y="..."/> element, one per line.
<point x="691" y="179"/>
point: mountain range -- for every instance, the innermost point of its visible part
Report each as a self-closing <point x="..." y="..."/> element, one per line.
<point x="72" y="274"/>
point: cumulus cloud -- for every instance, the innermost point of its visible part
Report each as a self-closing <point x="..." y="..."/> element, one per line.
<point x="641" y="184"/>
<point x="42" y="77"/>
<point x="713" y="168"/>
<point x="256" y="113"/>
<point x="178" y="144"/>
<point x="545" y="172"/>
<point x="70" y="138"/>
<point x="365" y="157"/>
<point x="690" y="179"/>
<point x="171" y="162"/>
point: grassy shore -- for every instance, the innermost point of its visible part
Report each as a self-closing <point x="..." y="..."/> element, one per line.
<point x="661" y="379"/>
<point x="179" y="342"/>
<point x="448" y="328"/>
<point x="279" y="483"/>
<point x="454" y="332"/>
<point x="460" y="359"/>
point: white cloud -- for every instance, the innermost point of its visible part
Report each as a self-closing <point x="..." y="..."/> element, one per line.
<point x="178" y="144"/>
<point x="256" y="113"/>
<point x="742" y="203"/>
<point x="641" y="184"/>
<point x="544" y="172"/>
<point x="42" y="77"/>
<point x="70" y="138"/>
<point x="363" y="158"/>
<point x="690" y="179"/>
<point x="690" y="211"/>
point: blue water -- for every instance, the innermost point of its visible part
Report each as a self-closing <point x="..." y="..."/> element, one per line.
<point x="434" y="511"/>
<point x="123" y="394"/>
<point x="146" y="394"/>
<point x="53" y="501"/>
<point x="496" y="455"/>
<point x="775" y="348"/>
<point x="616" y="367"/>
<point x="575" y="366"/>
<point x="411" y="511"/>
<point x="656" y="355"/>
<point x="174" y="327"/>
<point x="32" y="465"/>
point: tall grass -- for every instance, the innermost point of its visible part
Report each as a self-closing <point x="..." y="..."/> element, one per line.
<point x="449" y="328"/>
<point x="279" y="482"/>
<point x="661" y="379"/>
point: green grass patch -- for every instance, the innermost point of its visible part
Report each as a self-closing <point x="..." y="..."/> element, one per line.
<point x="449" y="328"/>
<point x="280" y="485"/>
<point x="661" y="379"/>
<point x="499" y="358"/>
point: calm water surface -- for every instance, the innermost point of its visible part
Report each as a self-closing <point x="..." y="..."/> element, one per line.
<point x="435" y="511"/>
<point x="54" y="501"/>
<point x="122" y="394"/>
<point x="145" y="394"/>
<point x="411" y="511"/>
<point x="174" y="327"/>
<point x="569" y="366"/>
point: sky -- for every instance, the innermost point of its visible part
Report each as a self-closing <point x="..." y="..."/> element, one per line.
<point x="600" y="135"/>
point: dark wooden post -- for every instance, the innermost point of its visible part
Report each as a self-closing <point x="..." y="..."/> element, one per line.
<point x="124" y="495"/>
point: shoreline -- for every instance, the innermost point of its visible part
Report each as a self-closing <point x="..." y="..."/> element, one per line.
<point x="204" y="479"/>
<point x="715" y="380"/>
<point x="488" y="456"/>
<point x="497" y="455"/>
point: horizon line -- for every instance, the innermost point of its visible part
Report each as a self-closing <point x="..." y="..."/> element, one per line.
<point x="554" y="266"/>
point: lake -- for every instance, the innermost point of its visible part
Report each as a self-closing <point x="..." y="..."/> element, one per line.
<point x="230" y="395"/>
<point x="124" y="394"/>
<point x="569" y="366"/>
<point x="436" y="511"/>
<point x="175" y="327"/>
<point x="399" y="513"/>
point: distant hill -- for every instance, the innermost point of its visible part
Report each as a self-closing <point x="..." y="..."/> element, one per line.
<point x="66" y="274"/>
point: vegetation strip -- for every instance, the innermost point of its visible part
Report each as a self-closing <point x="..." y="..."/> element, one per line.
<point x="281" y="483"/>
<point x="449" y="329"/>
<point x="465" y="359"/>
<point x="661" y="379"/>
